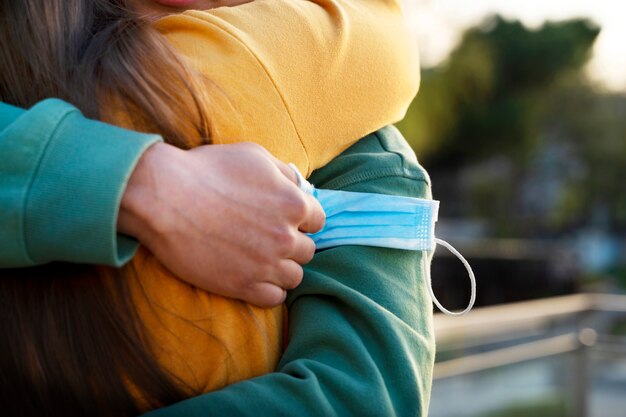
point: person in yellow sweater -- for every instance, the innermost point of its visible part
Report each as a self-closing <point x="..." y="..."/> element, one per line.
<point x="297" y="78"/>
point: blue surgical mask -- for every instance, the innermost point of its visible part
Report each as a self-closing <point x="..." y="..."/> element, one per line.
<point x="380" y="220"/>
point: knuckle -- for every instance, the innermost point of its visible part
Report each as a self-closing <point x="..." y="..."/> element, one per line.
<point x="265" y="271"/>
<point x="248" y="145"/>
<point x="298" y="206"/>
<point x="286" y="242"/>
<point x="255" y="147"/>
<point x="291" y="240"/>
<point x="248" y="150"/>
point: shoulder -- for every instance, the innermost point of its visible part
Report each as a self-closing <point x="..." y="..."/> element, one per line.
<point x="381" y="162"/>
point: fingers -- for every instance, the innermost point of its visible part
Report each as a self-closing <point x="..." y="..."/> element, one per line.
<point x="304" y="249"/>
<point x="290" y="275"/>
<point x="265" y="294"/>
<point x="314" y="218"/>
<point x="270" y="294"/>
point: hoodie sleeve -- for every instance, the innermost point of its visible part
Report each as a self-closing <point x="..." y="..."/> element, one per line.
<point x="62" y="178"/>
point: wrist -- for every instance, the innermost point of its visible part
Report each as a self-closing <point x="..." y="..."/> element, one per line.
<point x="141" y="202"/>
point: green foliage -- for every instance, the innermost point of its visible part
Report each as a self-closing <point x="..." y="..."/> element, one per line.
<point x="485" y="99"/>
<point x="594" y="126"/>
<point x="512" y="93"/>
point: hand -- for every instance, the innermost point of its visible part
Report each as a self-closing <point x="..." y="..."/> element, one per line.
<point x="226" y="218"/>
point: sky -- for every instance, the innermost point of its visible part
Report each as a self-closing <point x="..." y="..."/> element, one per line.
<point x="438" y="25"/>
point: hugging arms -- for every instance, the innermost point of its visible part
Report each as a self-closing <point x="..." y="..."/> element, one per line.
<point x="303" y="90"/>
<point x="306" y="127"/>
<point x="360" y="328"/>
<point x="361" y="340"/>
<point x="64" y="177"/>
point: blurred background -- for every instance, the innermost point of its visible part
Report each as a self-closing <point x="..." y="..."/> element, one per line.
<point x="521" y="123"/>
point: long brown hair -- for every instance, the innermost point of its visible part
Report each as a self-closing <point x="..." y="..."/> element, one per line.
<point x="93" y="52"/>
<point x="71" y="341"/>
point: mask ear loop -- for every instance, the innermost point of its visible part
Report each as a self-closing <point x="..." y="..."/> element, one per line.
<point x="469" y="271"/>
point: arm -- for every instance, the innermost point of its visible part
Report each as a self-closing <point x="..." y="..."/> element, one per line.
<point x="360" y="324"/>
<point x="61" y="181"/>
<point x="63" y="178"/>
<point x="308" y="69"/>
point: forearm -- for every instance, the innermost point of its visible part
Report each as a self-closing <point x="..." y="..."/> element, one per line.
<point x="66" y="179"/>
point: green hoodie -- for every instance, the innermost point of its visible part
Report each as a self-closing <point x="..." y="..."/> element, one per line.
<point x="62" y="177"/>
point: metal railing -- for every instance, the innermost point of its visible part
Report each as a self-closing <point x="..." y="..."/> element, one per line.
<point x="508" y="324"/>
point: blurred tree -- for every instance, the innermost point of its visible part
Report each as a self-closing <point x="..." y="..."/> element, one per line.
<point x="483" y="99"/>
<point x="481" y="117"/>
<point x="593" y="126"/>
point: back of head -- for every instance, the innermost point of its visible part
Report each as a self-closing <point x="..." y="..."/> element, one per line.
<point x="98" y="54"/>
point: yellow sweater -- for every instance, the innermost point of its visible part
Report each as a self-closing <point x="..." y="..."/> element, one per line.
<point x="305" y="79"/>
